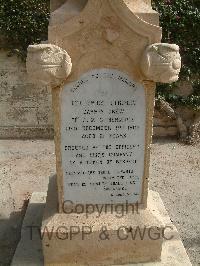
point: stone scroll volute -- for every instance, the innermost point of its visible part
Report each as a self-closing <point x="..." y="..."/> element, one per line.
<point x="48" y="64"/>
<point x="161" y="62"/>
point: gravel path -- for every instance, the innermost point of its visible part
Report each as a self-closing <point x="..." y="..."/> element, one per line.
<point x="174" y="172"/>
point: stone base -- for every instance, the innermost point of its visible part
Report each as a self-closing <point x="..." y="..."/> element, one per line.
<point x="29" y="250"/>
<point x="78" y="239"/>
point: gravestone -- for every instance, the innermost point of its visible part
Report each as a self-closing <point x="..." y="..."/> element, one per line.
<point x="102" y="62"/>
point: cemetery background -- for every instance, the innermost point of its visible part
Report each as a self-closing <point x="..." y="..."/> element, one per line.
<point x="26" y="113"/>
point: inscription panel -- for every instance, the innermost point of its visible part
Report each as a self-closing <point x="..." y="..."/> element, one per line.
<point x="103" y="138"/>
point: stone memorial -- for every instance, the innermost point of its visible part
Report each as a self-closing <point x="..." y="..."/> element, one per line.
<point x="102" y="61"/>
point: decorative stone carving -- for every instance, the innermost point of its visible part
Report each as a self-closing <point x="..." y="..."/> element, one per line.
<point x="161" y="62"/>
<point x="48" y="64"/>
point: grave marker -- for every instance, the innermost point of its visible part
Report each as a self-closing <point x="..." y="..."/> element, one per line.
<point x="104" y="59"/>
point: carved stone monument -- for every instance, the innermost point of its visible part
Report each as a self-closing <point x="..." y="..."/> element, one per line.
<point x="102" y="62"/>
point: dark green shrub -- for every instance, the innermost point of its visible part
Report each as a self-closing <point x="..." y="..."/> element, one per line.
<point x="180" y="20"/>
<point x="23" y="22"/>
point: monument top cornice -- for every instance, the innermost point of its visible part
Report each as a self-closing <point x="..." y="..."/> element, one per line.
<point x="69" y="19"/>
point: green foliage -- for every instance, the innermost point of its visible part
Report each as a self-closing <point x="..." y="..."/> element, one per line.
<point x="23" y="22"/>
<point x="192" y="101"/>
<point x="180" y="20"/>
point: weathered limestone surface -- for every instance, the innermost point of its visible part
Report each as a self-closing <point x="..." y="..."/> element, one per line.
<point x="48" y="64"/>
<point x="161" y="62"/>
<point x="164" y="125"/>
<point x="83" y="248"/>
<point x="54" y="4"/>
<point x="29" y="249"/>
<point x="29" y="252"/>
<point x="25" y="108"/>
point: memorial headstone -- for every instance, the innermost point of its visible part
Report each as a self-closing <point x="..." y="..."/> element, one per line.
<point x="102" y="62"/>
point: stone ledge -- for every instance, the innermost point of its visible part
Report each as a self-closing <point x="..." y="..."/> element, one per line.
<point x="159" y="131"/>
<point x="14" y="132"/>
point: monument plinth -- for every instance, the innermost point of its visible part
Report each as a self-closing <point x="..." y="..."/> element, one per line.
<point x="102" y="63"/>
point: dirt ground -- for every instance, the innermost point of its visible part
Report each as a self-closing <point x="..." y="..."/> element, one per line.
<point x="175" y="174"/>
<point x="25" y="167"/>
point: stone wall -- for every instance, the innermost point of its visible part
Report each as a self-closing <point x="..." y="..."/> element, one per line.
<point x="164" y="126"/>
<point x="25" y="109"/>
